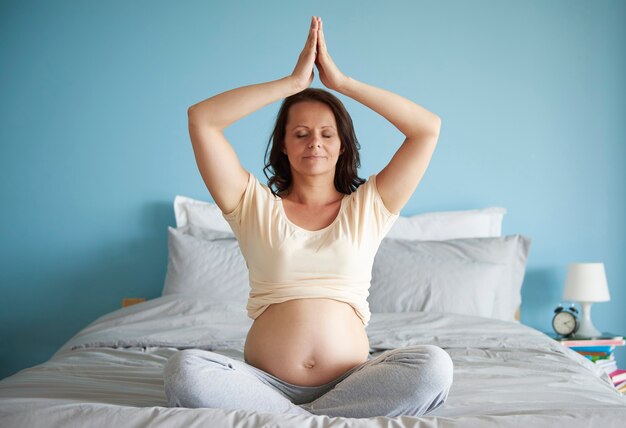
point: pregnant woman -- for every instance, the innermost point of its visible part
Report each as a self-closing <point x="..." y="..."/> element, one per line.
<point x="309" y="247"/>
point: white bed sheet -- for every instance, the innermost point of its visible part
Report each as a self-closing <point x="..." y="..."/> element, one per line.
<point x="110" y="373"/>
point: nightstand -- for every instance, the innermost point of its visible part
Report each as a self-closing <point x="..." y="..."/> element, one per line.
<point x="128" y="301"/>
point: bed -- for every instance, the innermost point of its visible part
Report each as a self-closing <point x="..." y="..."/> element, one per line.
<point x="448" y="279"/>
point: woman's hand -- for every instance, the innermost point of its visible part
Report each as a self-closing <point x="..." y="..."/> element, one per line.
<point x="303" y="72"/>
<point x="330" y="75"/>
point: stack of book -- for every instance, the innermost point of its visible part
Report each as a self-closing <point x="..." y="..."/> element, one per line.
<point x="600" y="350"/>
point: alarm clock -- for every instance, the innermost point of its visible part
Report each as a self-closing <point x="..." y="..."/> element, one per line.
<point x="565" y="321"/>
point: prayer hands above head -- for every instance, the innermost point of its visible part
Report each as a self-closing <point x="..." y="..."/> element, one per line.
<point x="315" y="52"/>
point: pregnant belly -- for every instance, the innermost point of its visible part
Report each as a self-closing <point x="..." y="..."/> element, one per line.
<point x="307" y="342"/>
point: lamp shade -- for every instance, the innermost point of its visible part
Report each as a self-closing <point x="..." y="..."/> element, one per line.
<point x="586" y="282"/>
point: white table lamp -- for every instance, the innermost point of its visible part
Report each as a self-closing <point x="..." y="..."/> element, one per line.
<point x="586" y="283"/>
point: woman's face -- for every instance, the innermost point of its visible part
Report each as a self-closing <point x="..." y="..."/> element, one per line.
<point x="311" y="130"/>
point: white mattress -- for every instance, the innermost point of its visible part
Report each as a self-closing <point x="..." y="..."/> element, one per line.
<point x="110" y="373"/>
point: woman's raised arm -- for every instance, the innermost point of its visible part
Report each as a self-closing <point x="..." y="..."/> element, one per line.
<point x="222" y="110"/>
<point x="399" y="179"/>
<point x="223" y="174"/>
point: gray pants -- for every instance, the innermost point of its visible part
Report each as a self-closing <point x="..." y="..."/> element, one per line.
<point x="403" y="381"/>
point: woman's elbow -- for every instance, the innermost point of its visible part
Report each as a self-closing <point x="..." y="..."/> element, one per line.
<point x="437" y="123"/>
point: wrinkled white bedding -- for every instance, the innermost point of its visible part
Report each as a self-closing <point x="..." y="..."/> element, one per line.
<point x="110" y="373"/>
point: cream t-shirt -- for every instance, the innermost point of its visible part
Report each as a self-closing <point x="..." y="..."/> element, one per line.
<point x="288" y="262"/>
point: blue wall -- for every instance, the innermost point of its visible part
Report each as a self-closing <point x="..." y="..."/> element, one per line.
<point x="94" y="141"/>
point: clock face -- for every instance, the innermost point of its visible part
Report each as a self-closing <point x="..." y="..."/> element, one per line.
<point x="564" y="323"/>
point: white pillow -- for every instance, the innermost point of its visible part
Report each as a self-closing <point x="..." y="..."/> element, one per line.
<point x="206" y="262"/>
<point x="432" y="226"/>
<point x="442" y="225"/>
<point x="199" y="213"/>
<point x="473" y="276"/>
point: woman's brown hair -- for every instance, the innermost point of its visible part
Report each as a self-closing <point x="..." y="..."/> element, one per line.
<point x="346" y="178"/>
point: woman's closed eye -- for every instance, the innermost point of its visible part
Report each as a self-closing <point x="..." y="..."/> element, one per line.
<point x="325" y="136"/>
